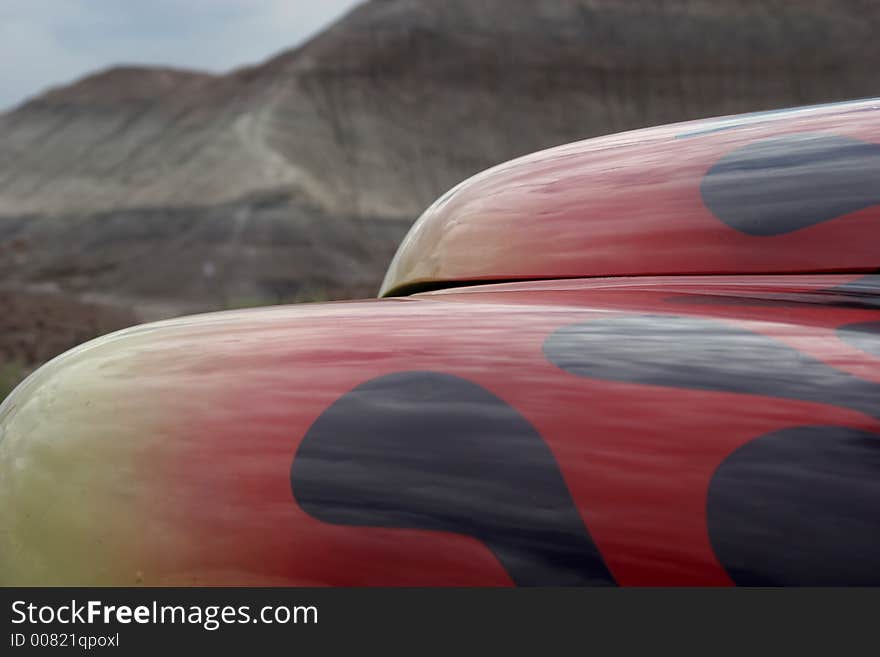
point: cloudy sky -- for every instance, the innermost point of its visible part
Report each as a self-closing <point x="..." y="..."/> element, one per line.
<point x="48" y="42"/>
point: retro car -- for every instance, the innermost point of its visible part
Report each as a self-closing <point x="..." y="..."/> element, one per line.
<point x="651" y="358"/>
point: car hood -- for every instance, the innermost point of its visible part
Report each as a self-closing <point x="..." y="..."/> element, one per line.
<point x="255" y="447"/>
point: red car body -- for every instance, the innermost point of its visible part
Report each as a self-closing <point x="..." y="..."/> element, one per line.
<point x="645" y="359"/>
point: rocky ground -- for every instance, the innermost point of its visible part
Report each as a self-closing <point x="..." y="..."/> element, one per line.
<point x="37" y="325"/>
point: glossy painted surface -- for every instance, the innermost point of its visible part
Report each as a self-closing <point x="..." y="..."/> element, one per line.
<point x="654" y="431"/>
<point x="631" y="430"/>
<point x="777" y="192"/>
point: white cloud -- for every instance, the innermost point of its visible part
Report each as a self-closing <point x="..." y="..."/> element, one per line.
<point x="44" y="43"/>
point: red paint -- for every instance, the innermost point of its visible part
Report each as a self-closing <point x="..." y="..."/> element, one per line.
<point x="636" y="458"/>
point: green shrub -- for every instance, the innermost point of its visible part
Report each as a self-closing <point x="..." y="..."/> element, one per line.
<point x="11" y="374"/>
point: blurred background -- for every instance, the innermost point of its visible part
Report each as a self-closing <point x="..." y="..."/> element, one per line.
<point x="180" y="156"/>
